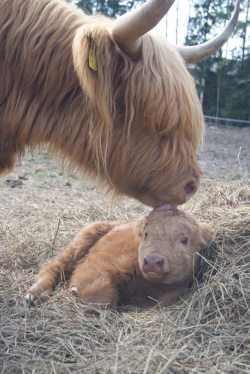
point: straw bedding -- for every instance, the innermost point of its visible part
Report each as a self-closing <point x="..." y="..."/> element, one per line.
<point x="208" y="331"/>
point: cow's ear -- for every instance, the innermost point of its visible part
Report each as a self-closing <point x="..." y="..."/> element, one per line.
<point x="80" y="49"/>
<point x="205" y="233"/>
<point x="92" y="57"/>
<point x="94" y="64"/>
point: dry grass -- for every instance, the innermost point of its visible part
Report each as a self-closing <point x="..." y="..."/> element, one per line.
<point x="207" y="332"/>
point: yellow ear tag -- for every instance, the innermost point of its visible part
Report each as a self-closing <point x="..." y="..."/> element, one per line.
<point x="92" y="60"/>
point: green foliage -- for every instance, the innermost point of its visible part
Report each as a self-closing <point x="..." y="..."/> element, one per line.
<point x="107" y="7"/>
<point x="223" y="84"/>
<point x="209" y="15"/>
<point x="235" y="100"/>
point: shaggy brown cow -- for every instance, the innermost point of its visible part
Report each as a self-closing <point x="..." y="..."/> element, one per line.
<point x="113" y="99"/>
<point x="149" y="260"/>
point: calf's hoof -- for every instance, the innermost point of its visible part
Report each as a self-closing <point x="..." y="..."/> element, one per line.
<point x="74" y="291"/>
<point x="30" y="298"/>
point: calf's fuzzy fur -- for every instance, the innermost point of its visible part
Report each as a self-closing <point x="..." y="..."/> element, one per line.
<point x="152" y="259"/>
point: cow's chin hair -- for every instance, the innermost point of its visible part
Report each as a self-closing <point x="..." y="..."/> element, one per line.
<point x="145" y="170"/>
<point x="175" y="194"/>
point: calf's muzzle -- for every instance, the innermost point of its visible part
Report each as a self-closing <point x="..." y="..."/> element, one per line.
<point x="153" y="264"/>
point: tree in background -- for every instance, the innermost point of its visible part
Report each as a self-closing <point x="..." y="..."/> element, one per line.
<point x="244" y="32"/>
<point x="223" y="82"/>
<point x="110" y="8"/>
<point x="235" y="88"/>
<point x="208" y="14"/>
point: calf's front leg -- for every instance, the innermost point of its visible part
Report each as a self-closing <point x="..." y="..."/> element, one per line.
<point x="61" y="268"/>
<point x="93" y="286"/>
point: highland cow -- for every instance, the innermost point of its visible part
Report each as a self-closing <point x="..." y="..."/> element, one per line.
<point x="151" y="260"/>
<point x="113" y="99"/>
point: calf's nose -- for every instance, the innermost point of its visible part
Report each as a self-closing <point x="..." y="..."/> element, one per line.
<point x="153" y="264"/>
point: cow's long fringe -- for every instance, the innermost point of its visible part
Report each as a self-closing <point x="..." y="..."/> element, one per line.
<point x="158" y="87"/>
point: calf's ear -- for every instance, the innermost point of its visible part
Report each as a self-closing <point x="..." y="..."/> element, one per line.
<point x="206" y="234"/>
<point x="139" y="226"/>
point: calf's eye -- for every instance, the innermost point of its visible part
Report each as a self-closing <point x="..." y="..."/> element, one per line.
<point x="184" y="240"/>
<point x="145" y="235"/>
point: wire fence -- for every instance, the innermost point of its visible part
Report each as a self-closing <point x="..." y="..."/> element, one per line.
<point x="210" y="120"/>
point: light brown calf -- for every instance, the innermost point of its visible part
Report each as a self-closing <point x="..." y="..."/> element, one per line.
<point x="150" y="260"/>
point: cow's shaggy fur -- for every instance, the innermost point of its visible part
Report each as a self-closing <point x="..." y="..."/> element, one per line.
<point x="135" y="124"/>
<point x="149" y="260"/>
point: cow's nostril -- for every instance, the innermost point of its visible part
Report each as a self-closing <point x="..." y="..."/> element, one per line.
<point x="159" y="262"/>
<point x="190" y="188"/>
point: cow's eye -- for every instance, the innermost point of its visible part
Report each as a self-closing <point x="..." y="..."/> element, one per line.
<point x="145" y="235"/>
<point x="184" y="240"/>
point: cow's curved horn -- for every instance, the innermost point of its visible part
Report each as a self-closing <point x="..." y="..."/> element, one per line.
<point x="200" y="52"/>
<point x="129" y="28"/>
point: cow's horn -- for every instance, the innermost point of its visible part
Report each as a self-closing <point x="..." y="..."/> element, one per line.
<point x="129" y="28"/>
<point x="200" y="52"/>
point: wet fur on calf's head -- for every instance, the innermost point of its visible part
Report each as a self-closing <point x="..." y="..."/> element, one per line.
<point x="135" y="124"/>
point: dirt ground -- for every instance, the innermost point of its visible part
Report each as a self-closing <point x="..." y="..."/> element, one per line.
<point x="226" y="153"/>
<point x="42" y="207"/>
<point x="225" y="156"/>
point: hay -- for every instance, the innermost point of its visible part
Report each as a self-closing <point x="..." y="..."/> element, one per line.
<point x="206" y="332"/>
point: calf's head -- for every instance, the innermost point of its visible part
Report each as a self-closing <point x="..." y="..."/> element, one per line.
<point x="169" y="246"/>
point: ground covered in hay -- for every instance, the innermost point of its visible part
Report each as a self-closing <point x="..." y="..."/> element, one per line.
<point x="207" y="332"/>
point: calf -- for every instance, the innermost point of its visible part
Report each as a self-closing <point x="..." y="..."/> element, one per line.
<point x="150" y="260"/>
